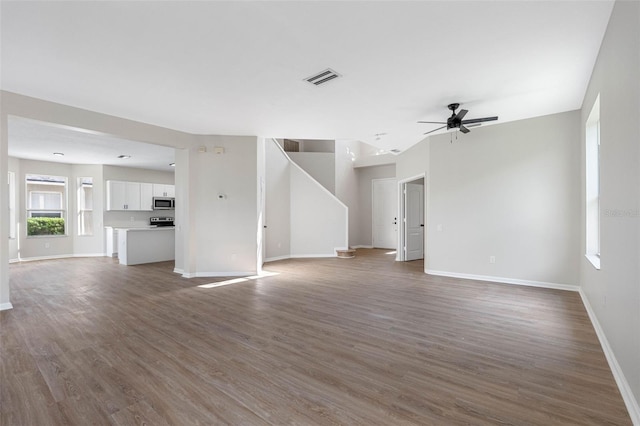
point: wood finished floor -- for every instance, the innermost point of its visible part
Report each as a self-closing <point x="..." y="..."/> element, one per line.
<point x="363" y="341"/>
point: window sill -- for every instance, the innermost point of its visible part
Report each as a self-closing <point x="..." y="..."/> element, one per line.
<point x="595" y="260"/>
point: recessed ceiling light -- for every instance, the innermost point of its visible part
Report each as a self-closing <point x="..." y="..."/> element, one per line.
<point x="172" y="164"/>
<point x="124" y="157"/>
<point x="59" y="154"/>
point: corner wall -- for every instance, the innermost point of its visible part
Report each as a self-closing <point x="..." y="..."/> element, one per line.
<point x="613" y="292"/>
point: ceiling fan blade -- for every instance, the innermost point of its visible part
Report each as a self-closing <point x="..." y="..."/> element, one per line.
<point x="461" y="114"/>
<point x="432" y="122"/>
<point x="435" y="130"/>
<point x="479" y="120"/>
<point x="464" y="129"/>
<point x="473" y="125"/>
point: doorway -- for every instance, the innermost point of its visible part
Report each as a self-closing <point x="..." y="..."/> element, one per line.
<point x="412" y="219"/>
<point x="384" y="199"/>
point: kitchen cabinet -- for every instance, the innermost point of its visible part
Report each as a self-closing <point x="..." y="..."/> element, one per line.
<point x="146" y="196"/>
<point x="134" y="196"/>
<point x="146" y="245"/>
<point x="162" y="190"/>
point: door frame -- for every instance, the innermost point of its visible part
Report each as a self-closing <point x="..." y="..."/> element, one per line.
<point x="400" y="253"/>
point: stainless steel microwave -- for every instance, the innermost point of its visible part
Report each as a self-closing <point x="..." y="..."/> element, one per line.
<point x="164" y="203"/>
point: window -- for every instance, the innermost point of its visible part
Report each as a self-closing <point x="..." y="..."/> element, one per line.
<point x="85" y="206"/>
<point x="592" y="136"/>
<point x="12" y="204"/>
<point x="46" y="205"/>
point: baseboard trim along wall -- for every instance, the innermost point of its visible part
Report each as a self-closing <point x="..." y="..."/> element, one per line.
<point x="362" y="246"/>
<point x="218" y="274"/>
<point x="618" y="375"/>
<point x="298" y="256"/>
<point x="5" y="306"/>
<point x="275" y="258"/>
<point x="306" y="256"/>
<point x="57" y="256"/>
<point x="503" y="280"/>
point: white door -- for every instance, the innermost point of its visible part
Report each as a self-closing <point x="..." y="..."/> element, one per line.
<point x="384" y="214"/>
<point x="414" y="228"/>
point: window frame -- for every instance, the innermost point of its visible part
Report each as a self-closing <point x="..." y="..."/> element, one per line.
<point x="62" y="181"/>
<point x="82" y="210"/>
<point x="593" y="211"/>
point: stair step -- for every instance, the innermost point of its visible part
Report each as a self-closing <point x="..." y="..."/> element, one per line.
<point x="346" y="254"/>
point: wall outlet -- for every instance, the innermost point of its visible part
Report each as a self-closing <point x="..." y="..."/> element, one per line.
<point x="47" y="245"/>
<point x="132" y="218"/>
<point x="492" y="259"/>
<point x="439" y="227"/>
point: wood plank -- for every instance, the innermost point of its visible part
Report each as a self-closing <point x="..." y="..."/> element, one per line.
<point x="325" y="341"/>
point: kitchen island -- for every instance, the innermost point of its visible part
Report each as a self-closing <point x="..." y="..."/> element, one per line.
<point x="146" y="245"/>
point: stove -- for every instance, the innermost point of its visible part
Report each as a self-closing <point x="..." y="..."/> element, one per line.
<point x="161" y="221"/>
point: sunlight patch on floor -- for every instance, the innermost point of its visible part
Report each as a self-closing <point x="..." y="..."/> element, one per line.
<point x="239" y="280"/>
<point x="391" y="252"/>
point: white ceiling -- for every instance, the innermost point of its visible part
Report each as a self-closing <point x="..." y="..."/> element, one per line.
<point x="213" y="67"/>
<point x="34" y="140"/>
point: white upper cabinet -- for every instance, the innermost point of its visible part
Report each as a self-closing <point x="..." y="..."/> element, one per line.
<point x="129" y="196"/>
<point x="161" y="190"/>
<point x="146" y="196"/>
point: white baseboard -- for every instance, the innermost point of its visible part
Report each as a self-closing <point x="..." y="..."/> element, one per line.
<point x="299" y="256"/>
<point x="178" y="271"/>
<point x="218" y="274"/>
<point x="362" y="246"/>
<point x="311" y="256"/>
<point x="275" y="258"/>
<point x="36" y="258"/>
<point x="504" y="280"/>
<point x="623" y="385"/>
<point x="57" y="256"/>
<point x="5" y="306"/>
<point x="90" y="255"/>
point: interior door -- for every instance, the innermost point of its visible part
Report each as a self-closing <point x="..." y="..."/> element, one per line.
<point x="384" y="214"/>
<point x="414" y="228"/>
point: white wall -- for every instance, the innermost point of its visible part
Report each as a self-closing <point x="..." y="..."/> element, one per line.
<point x="183" y="215"/>
<point x="347" y="189"/>
<point x="278" y="203"/>
<point x="14" y="166"/>
<point x="509" y="191"/>
<point x="261" y="177"/>
<point x="365" y="175"/>
<point x="320" y="165"/>
<point x="319" y="222"/>
<point x="316" y="222"/>
<point x="318" y="145"/>
<point x="5" y="299"/>
<point x="613" y="292"/>
<point x="220" y="235"/>
<point x="414" y="161"/>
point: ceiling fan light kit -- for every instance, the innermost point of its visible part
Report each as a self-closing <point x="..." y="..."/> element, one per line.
<point x="456" y="121"/>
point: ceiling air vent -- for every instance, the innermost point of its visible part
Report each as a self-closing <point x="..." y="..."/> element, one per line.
<point x="395" y="151"/>
<point x="322" y="77"/>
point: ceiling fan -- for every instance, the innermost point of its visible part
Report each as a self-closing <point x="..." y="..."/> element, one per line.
<point x="456" y="120"/>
